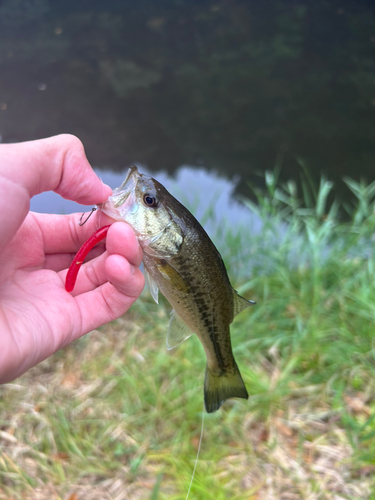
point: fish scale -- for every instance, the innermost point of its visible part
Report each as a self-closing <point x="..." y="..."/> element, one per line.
<point x="181" y="261"/>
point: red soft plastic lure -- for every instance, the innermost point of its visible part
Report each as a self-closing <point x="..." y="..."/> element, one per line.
<point x="72" y="274"/>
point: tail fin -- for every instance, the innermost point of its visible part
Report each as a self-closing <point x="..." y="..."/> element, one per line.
<point x="218" y="389"/>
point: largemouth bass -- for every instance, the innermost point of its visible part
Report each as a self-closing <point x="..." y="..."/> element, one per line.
<point x="181" y="261"/>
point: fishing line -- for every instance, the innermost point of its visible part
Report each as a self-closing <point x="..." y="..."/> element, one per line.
<point x="197" y="457"/>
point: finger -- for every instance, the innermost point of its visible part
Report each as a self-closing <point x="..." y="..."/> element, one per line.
<point x="95" y="272"/>
<point x="55" y="164"/>
<point x="91" y="275"/>
<point x="59" y="262"/>
<point x="121" y="240"/>
<point x="123" y="275"/>
<point x="62" y="233"/>
<point x="106" y="303"/>
<point x="121" y="243"/>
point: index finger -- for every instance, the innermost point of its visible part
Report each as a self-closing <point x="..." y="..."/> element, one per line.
<point x="63" y="234"/>
<point x="55" y="164"/>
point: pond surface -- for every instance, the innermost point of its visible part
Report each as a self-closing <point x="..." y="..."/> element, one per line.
<point x="232" y="87"/>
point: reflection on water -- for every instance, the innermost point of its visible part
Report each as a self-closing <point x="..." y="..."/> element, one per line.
<point x="225" y="85"/>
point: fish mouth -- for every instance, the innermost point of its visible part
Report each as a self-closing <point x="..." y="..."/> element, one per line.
<point x="123" y="198"/>
<point x="121" y="193"/>
<point x="128" y="183"/>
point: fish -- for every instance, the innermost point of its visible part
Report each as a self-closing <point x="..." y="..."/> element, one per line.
<point x="182" y="262"/>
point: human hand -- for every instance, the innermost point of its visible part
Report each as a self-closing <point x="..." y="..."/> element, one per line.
<point x="37" y="316"/>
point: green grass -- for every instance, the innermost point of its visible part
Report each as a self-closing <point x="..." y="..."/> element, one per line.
<point x="117" y="416"/>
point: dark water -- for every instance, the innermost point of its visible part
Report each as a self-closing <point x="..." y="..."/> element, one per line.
<point x="225" y="85"/>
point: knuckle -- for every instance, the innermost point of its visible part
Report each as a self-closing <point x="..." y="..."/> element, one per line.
<point x="73" y="232"/>
<point x="93" y="274"/>
<point x="69" y="140"/>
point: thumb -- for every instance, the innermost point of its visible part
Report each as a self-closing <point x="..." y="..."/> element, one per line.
<point x="55" y="164"/>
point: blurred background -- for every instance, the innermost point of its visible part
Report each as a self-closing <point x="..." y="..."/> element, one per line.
<point x="260" y="117"/>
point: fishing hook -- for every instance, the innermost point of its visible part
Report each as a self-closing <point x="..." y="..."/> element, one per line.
<point x="87" y="218"/>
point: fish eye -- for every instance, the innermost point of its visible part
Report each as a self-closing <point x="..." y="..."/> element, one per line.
<point x="150" y="201"/>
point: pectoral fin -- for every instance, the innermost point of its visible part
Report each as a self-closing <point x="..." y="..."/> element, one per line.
<point x="171" y="274"/>
<point x="152" y="286"/>
<point x="178" y="331"/>
<point x="240" y="303"/>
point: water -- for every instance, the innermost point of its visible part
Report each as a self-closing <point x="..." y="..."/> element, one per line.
<point x="227" y="86"/>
